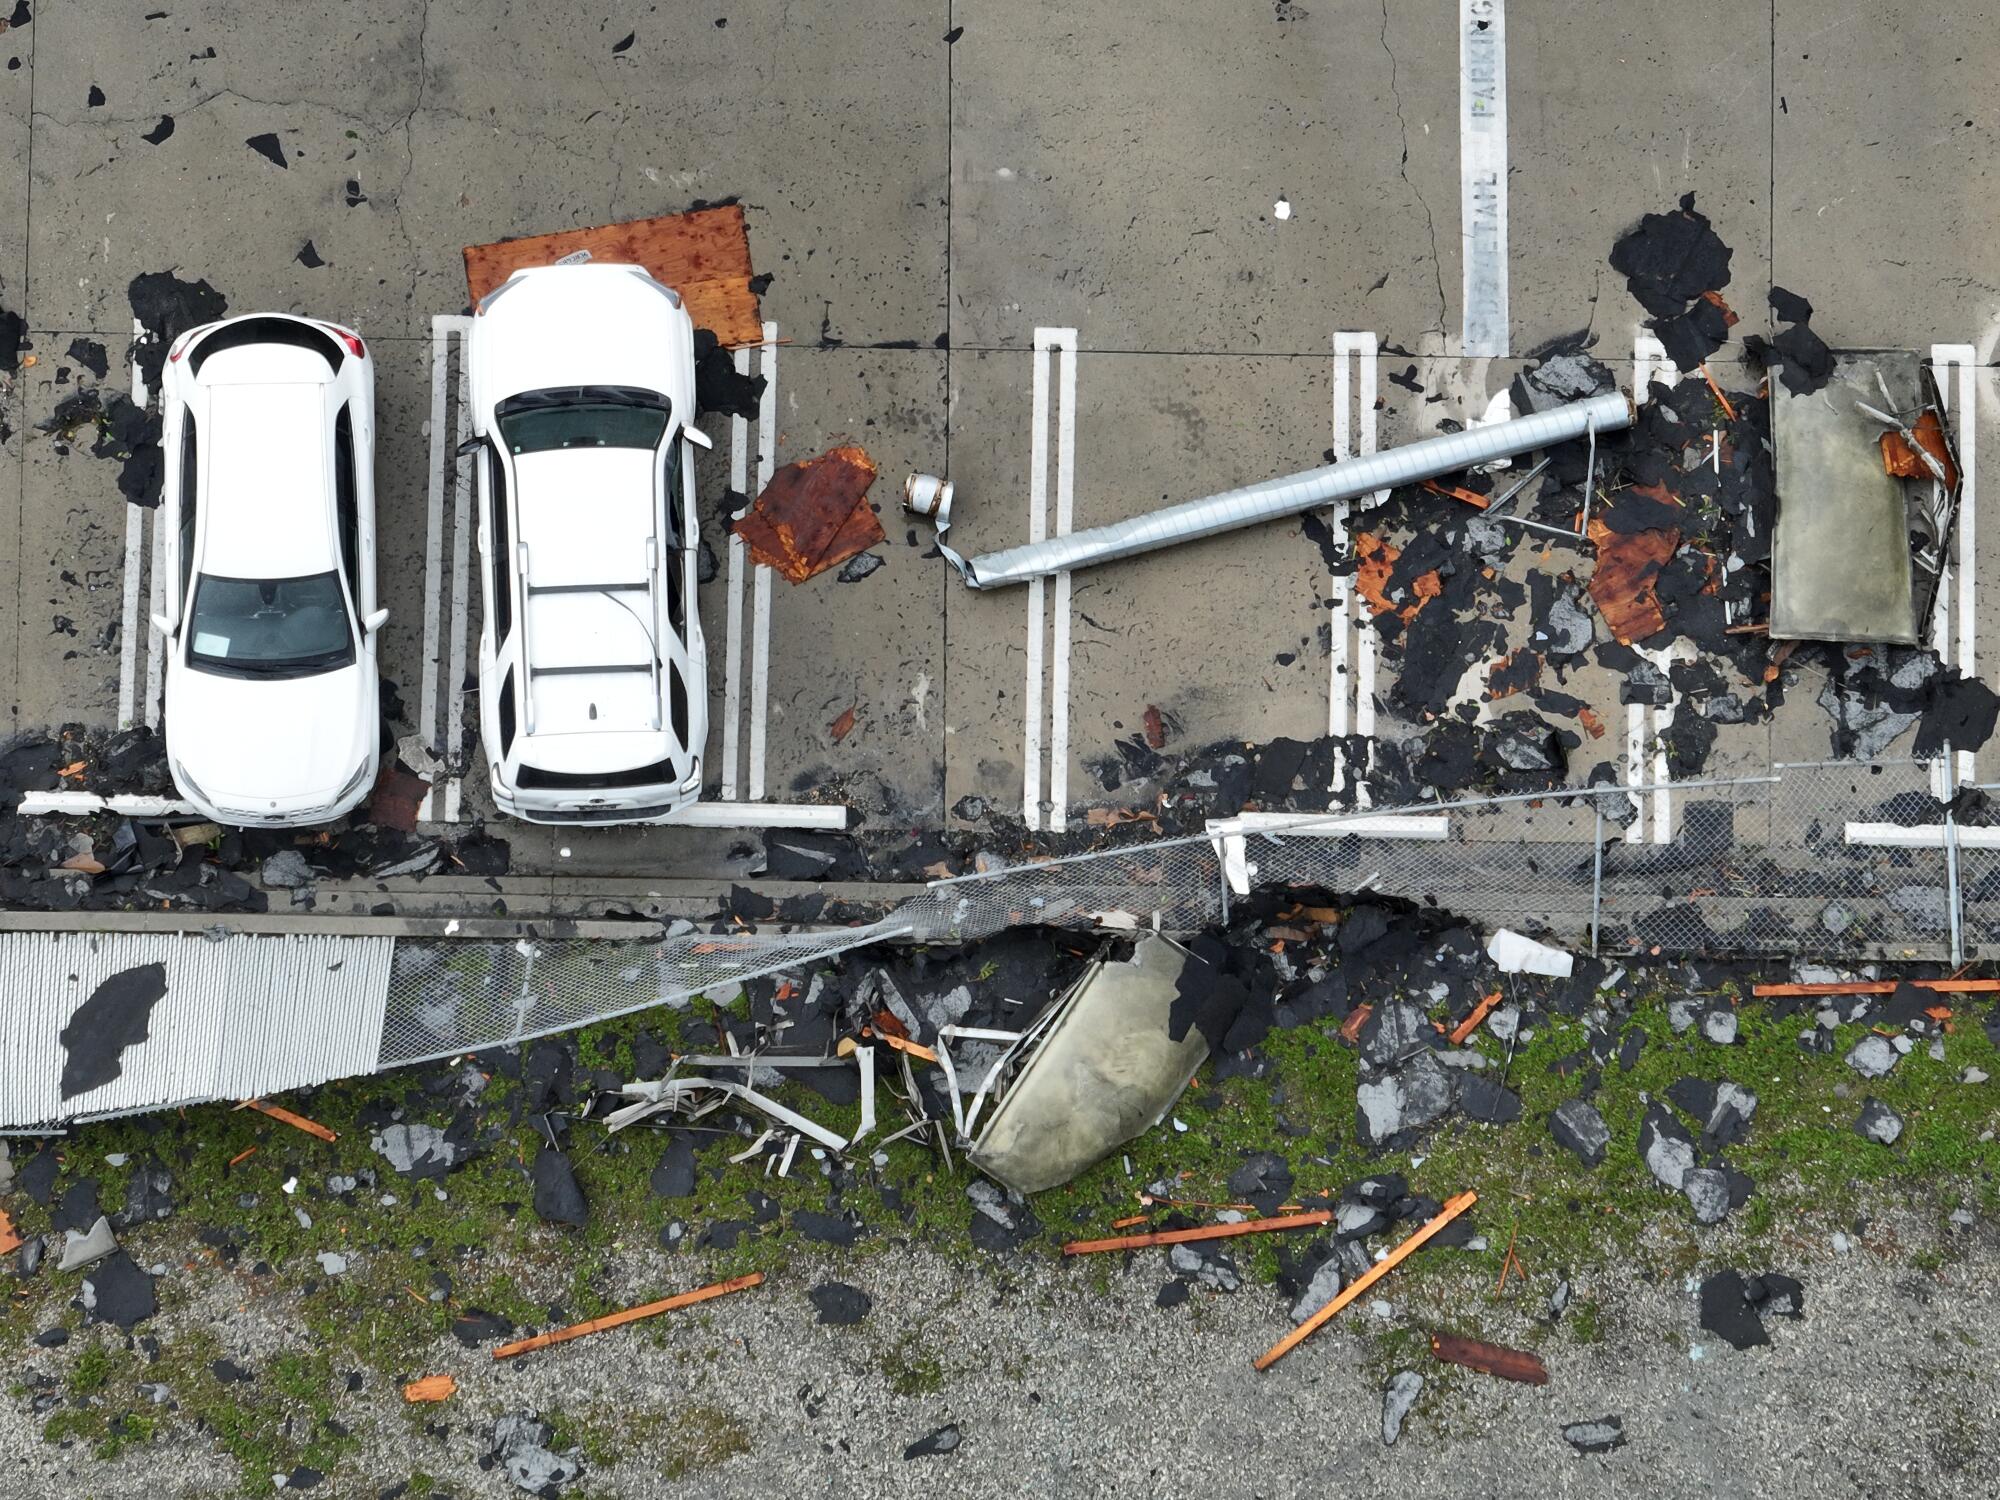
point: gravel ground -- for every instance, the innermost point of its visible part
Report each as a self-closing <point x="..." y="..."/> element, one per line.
<point x="1068" y="1379"/>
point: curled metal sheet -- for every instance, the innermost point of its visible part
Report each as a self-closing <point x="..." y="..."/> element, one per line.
<point x="1271" y="498"/>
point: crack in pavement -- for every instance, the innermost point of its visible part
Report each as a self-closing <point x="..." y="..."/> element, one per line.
<point x="1403" y="170"/>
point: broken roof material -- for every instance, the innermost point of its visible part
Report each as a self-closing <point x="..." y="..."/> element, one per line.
<point x="704" y="255"/>
<point x="813" y="515"/>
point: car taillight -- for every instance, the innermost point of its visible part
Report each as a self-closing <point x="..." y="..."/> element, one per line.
<point x="180" y="347"/>
<point x="353" y="340"/>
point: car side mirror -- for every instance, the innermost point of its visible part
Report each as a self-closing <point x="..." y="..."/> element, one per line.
<point x="374" y="620"/>
<point x="165" y="627"/>
<point x="470" y="446"/>
<point x="699" y="438"/>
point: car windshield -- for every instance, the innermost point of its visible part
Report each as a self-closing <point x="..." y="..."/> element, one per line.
<point x="270" y="627"/>
<point x="582" y="423"/>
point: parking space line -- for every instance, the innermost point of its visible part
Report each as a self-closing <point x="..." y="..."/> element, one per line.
<point x="760" y="640"/>
<point x="1038" y="530"/>
<point x="156" y="662"/>
<point x="461" y="574"/>
<point x="1351" y="672"/>
<point x="1955" y="588"/>
<point x="441" y="328"/>
<point x="1482" y="172"/>
<point x="1646" y="726"/>
<point x="129" y="639"/>
<point x="732" y="660"/>
<point x="1064" y="341"/>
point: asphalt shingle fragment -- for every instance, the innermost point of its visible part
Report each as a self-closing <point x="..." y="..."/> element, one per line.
<point x="943" y="1440"/>
<point x="838" y="1304"/>
<point x="1598" y="1436"/>
<point x="1398" y="1397"/>
<point x="1878" y="1122"/>
<point x="1727" y="1312"/>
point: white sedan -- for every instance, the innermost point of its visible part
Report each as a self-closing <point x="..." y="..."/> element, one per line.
<point x="271" y="711"/>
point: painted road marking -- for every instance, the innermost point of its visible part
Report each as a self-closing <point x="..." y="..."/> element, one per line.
<point x="1065" y="520"/>
<point x="461" y="590"/>
<point x="130" y="640"/>
<point x="1955" y="587"/>
<point x="1043" y="685"/>
<point x="732" y="661"/>
<point x="1351" y="677"/>
<point x="1645" y="726"/>
<point x="442" y="329"/>
<point x="1482" y="175"/>
<point x="760" y="636"/>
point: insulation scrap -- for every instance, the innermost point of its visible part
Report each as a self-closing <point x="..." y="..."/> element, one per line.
<point x="1902" y="460"/>
<point x="1490" y="1359"/>
<point x="813" y="515"/>
<point x="1628" y="567"/>
<point x="703" y="255"/>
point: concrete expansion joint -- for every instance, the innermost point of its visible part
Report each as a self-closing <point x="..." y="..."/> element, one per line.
<point x="1403" y="170"/>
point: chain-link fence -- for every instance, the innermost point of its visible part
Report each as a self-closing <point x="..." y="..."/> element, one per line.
<point x="1835" y="859"/>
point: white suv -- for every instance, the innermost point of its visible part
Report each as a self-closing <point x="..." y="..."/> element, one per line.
<point x="271" y="711"/>
<point x="593" y="694"/>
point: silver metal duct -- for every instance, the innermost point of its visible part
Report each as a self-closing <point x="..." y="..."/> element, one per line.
<point x="1271" y="498"/>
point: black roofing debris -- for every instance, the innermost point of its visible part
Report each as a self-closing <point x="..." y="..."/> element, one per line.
<point x="270" y="148"/>
<point x="159" y="133"/>
<point x="717" y="385"/>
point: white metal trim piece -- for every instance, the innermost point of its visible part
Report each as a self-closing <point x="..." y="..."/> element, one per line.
<point x="1927" y="836"/>
<point x="759" y="815"/>
<point x="1482" y="172"/>
<point x="1422" y="827"/>
<point x="156" y="657"/>
<point x="81" y="804"/>
<point x="1956" y="588"/>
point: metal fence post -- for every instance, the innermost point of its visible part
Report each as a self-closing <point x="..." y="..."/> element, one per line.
<point x="1596" y="873"/>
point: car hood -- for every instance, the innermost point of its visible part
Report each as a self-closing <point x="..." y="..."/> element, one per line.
<point x="246" y="741"/>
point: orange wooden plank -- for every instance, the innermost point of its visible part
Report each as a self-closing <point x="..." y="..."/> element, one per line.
<point x="1881" y="987"/>
<point x="296" y="1121"/>
<point x="629" y="1315"/>
<point x="430" y="1388"/>
<point x="1309" y="1220"/>
<point x="1470" y="1024"/>
<point x="1452" y="1209"/>
<point x="703" y="255"/>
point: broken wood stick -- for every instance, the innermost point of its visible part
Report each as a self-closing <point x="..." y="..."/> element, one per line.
<point x="1490" y="1359"/>
<point x="846" y="1045"/>
<point x="242" y="1156"/>
<point x="1453" y="1207"/>
<point x="629" y="1315"/>
<point x="1470" y="1024"/>
<point x="430" y="1388"/>
<point x="1310" y="1220"/>
<point x="10" y="1238"/>
<point x="296" y="1121"/>
<point x="1881" y="987"/>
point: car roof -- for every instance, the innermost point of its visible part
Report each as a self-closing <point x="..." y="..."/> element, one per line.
<point x="266" y="506"/>
<point x="586" y="519"/>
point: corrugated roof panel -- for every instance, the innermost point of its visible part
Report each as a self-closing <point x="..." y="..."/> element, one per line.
<point x="219" y="1020"/>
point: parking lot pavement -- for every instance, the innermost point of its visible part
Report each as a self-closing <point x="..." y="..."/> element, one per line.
<point x="1168" y="259"/>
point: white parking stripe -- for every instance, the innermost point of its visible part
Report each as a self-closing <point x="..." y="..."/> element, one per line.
<point x="1482" y="173"/>
<point x="1646" y="727"/>
<point x="156" y="662"/>
<point x="461" y="590"/>
<point x="1351" y="672"/>
<point x="1038" y="530"/>
<point x="1065" y="515"/>
<point x="434" y="542"/>
<point x="760" y="639"/>
<point x="732" y="660"/>
<point x="129" y="637"/>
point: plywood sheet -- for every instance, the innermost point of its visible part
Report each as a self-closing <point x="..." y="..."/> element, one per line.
<point x="703" y="255"/>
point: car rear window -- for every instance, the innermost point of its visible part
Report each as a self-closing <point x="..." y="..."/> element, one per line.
<point x="583" y="425"/>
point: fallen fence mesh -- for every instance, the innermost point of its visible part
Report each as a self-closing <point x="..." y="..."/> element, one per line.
<point x="1838" y="860"/>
